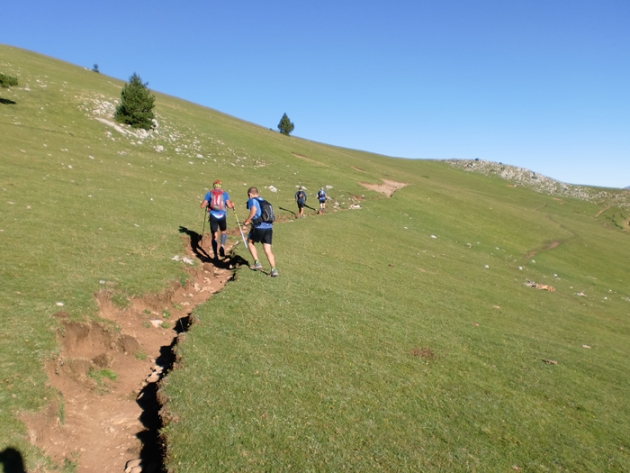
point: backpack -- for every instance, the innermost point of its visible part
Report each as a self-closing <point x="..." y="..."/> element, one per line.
<point x="321" y="195"/>
<point x="216" y="201"/>
<point x="301" y="196"/>
<point x="266" y="213"/>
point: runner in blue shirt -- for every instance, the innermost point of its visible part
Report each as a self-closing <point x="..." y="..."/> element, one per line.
<point x="217" y="201"/>
<point x="261" y="232"/>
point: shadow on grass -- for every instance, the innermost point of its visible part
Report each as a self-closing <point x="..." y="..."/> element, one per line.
<point x="7" y="101"/>
<point x="203" y="256"/>
<point x="290" y="211"/>
<point x="12" y="461"/>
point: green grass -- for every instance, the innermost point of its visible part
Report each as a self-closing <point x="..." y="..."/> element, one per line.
<point x="102" y="374"/>
<point x="315" y="370"/>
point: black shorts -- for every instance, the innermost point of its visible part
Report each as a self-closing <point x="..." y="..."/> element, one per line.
<point x="216" y="223"/>
<point x="300" y="204"/>
<point x="261" y="235"/>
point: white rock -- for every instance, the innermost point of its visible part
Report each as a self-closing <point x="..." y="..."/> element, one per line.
<point x="156" y="323"/>
<point x="60" y="304"/>
<point x="153" y="378"/>
<point x="520" y="268"/>
<point x="133" y="464"/>
<point x="175" y="258"/>
<point x="187" y="260"/>
<point x="486" y="266"/>
<point x="433" y="236"/>
<point x="272" y="189"/>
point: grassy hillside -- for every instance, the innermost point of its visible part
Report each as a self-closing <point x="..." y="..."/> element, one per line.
<point x="378" y="348"/>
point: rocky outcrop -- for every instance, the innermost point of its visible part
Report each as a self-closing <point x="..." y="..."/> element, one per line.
<point x="545" y="185"/>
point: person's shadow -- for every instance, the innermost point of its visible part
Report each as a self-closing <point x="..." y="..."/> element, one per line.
<point x="204" y="257"/>
<point x="7" y="101"/>
<point x="11" y="460"/>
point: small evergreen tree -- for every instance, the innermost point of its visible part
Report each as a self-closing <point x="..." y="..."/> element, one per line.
<point x="136" y="104"/>
<point x="285" y="126"/>
<point x="8" y="81"/>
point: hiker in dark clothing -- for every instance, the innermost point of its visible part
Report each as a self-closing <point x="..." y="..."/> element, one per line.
<point x="217" y="201"/>
<point x="300" y="198"/>
<point x="322" y="197"/>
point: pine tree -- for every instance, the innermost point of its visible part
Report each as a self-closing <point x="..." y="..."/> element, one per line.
<point x="285" y="126"/>
<point x="136" y="104"/>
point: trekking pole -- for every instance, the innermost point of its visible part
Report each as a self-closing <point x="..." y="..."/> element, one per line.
<point x="239" y="227"/>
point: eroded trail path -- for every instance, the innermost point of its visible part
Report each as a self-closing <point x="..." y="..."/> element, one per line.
<point x="106" y="418"/>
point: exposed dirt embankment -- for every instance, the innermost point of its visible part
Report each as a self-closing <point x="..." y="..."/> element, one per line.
<point x="106" y="418"/>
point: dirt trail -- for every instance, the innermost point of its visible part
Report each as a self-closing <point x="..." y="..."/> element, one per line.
<point x="107" y="374"/>
<point x="602" y="211"/>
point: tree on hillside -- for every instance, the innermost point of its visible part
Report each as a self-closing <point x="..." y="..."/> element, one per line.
<point x="8" y="81"/>
<point x="136" y="104"/>
<point x="95" y="69"/>
<point x="285" y="126"/>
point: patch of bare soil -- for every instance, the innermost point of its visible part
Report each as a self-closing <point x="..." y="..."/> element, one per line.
<point x="388" y="187"/>
<point x="107" y="374"/>
<point x="307" y="159"/>
<point x="548" y="246"/>
<point x="424" y="353"/>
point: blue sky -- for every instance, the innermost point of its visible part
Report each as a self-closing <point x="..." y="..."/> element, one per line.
<point x="542" y="84"/>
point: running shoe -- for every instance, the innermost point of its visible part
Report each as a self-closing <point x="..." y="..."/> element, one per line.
<point x="256" y="267"/>
<point x="274" y="273"/>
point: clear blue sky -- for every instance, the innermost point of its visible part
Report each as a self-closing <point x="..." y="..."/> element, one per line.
<point x="543" y="84"/>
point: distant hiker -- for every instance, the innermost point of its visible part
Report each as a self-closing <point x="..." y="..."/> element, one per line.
<point x="217" y="201"/>
<point x="261" y="231"/>
<point x="300" y="198"/>
<point x="321" y="196"/>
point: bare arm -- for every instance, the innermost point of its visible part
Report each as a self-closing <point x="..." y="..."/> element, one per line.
<point x="252" y="212"/>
